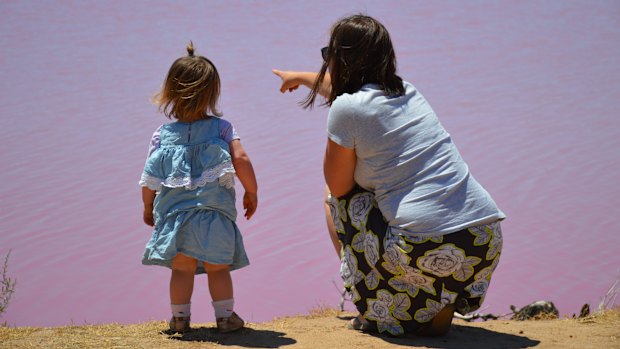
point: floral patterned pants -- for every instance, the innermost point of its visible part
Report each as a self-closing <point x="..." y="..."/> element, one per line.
<point x="401" y="282"/>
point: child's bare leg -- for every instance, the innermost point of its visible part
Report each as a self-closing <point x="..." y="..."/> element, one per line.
<point x="182" y="279"/>
<point x="220" y="282"/>
<point x="221" y="289"/>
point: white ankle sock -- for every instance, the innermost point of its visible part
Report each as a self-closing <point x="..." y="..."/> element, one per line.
<point x="181" y="310"/>
<point x="223" y="309"/>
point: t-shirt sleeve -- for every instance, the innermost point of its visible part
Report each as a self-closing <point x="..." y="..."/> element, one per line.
<point x="341" y="123"/>
<point x="155" y="141"/>
<point x="227" y="131"/>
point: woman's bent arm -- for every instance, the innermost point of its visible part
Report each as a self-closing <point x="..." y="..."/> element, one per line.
<point x="339" y="168"/>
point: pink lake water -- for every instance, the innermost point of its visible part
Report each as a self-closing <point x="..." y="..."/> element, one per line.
<point x="529" y="90"/>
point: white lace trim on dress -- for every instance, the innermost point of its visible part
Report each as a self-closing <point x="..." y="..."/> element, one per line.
<point x="224" y="172"/>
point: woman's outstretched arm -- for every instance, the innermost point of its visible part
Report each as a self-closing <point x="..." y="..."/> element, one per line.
<point x="291" y="80"/>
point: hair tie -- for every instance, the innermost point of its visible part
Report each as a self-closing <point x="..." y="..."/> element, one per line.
<point x="190" y="49"/>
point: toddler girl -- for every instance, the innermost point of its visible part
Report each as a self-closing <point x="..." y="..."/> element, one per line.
<point x="188" y="192"/>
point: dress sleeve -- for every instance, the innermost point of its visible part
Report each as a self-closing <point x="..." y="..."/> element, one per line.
<point x="155" y="141"/>
<point x="341" y="125"/>
<point x="227" y="131"/>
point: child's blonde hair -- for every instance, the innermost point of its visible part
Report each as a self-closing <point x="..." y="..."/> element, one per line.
<point x="191" y="89"/>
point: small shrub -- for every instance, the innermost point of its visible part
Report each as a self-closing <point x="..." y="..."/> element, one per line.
<point x="7" y="286"/>
<point x="609" y="299"/>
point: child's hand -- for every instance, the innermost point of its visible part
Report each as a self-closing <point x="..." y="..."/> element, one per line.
<point x="250" y="202"/>
<point x="147" y="216"/>
<point x="289" y="81"/>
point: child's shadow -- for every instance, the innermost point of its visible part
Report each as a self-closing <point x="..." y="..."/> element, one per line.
<point x="245" y="337"/>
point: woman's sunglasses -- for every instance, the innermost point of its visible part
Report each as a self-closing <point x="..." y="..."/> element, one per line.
<point x="324" y="52"/>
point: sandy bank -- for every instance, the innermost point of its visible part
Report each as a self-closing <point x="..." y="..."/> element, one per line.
<point x="326" y="330"/>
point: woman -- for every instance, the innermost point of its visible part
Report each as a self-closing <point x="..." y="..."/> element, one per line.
<point x="419" y="236"/>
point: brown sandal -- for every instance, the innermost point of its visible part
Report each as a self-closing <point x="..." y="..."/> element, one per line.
<point x="229" y="324"/>
<point x="179" y="324"/>
<point x="358" y="323"/>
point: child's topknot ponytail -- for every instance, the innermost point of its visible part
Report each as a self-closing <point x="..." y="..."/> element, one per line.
<point x="191" y="89"/>
<point x="190" y="49"/>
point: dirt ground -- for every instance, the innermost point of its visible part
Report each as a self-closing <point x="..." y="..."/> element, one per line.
<point x="327" y="330"/>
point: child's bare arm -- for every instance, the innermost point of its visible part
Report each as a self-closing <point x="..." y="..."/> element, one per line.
<point x="148" y="197"/>
<point x="245" y="173"/>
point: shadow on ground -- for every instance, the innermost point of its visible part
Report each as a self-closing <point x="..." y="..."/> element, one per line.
<point x="246" y="337"/>
<point x="461" y="337"/>
<point x="465" y="337"/>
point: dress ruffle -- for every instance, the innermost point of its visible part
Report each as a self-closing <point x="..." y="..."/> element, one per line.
<point x="224" y="172"/>
<point x="188" y="166"/>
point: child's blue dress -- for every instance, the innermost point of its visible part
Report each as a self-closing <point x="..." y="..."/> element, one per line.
<point x="194" y="209"/>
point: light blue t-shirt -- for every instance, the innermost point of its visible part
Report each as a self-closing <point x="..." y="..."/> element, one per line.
<point x="406" y="157"/>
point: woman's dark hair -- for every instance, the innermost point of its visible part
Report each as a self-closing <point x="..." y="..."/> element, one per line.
<point x="360" y="51"/>
<point x="191" y="89"/>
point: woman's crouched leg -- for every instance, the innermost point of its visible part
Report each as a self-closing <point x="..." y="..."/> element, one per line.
<point x="408" y="283"/>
